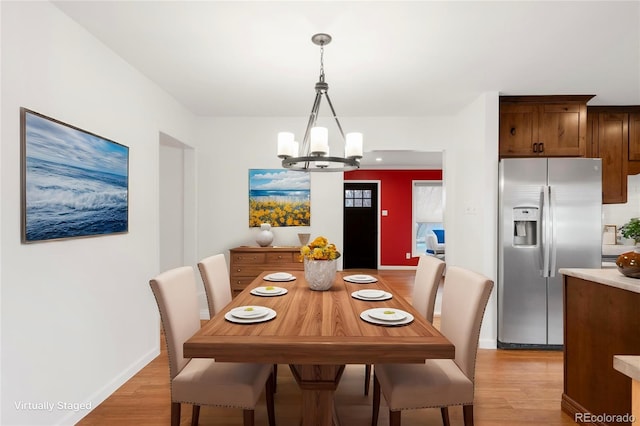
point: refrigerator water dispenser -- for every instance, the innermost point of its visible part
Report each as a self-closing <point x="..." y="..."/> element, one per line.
<point x="525" y="226"/>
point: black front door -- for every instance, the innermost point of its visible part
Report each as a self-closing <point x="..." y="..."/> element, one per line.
<point x="360" y="225"/>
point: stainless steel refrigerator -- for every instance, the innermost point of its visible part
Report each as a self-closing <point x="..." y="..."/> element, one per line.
<point x="550" y="217"/>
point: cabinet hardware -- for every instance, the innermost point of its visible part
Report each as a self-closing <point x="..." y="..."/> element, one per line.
<point x="535" y="147"/>
<point x="513" y="131"/>
<point x="541" y="147"/>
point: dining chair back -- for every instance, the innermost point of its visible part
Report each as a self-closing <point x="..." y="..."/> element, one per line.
<point x="425" y="287"/>
<point x="175" y="294"/>
<point x="203" y="381"/>
<point x="423" y="298"/>
<point x="441" y="382"/>
<point x="215" y="276"/>
<point x="464" y="301"/>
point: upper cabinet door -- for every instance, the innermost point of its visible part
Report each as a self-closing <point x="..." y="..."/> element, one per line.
<point x="561" y="133"/>
<point x="634" y="137"/>
<point x="613" y="137"/>
<point x="518" y="129"/>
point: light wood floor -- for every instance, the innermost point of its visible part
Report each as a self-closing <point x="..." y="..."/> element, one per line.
<point x="512" y="388"/>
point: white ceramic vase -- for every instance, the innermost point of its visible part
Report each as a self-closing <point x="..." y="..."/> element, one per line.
<point x="304" y="238"/>
<point x="319" y="274"/>
<point x="265" y="236"/>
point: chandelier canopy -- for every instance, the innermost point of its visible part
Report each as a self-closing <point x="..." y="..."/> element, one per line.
<point x="313" y="155"/>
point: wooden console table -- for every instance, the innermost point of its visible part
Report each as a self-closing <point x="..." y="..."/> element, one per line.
<point x="247" y="262"/>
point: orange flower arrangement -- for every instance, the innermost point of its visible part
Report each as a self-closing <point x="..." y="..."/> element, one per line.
<point x="319" y="249"/>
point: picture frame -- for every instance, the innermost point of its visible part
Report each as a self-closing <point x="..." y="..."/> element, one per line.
<point x="74" y="183"/>
<point x="279" y="197"/>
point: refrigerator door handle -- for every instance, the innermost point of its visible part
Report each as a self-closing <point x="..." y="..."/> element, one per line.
<point x="552" y="236"/>
<point x="546" y="234"/>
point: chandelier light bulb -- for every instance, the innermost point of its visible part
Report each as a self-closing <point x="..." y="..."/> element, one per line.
<point x="286" y="145"/>
<point x="319" y="141"/>
<point x="353" y="145"/>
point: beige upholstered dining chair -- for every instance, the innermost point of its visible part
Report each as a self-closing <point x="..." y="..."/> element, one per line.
<point x="217" y="287"/>
<point x="440" y="382"/>
<point x="203" y="381"/>
<point x="423" y="298"/>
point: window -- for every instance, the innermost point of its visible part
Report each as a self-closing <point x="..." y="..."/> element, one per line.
<point x="357" y="198"/>
<point x="428" y="212"/>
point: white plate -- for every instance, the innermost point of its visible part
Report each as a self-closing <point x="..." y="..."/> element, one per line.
<point x="278" y="291"/>
<point x="368" y="318"/>
<point x="385" y="296"/>
<point x="271" y="314"/>
<point x="371" y="293"/>
<point x="249" y="312"/>
<point x="387" y="314"/>
<point x="279" y="277"/>
<point x="360" y="279"/>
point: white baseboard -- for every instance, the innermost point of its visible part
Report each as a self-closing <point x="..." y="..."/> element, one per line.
<point x="98" y="397"/>
<point x="397" y="267"/>
<point x="488" y="344"/>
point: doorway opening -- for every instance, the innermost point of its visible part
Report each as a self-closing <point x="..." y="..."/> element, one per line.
<point x="428" y="213"/>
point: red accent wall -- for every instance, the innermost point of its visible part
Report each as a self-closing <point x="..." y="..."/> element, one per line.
<point x="395" y="196"/>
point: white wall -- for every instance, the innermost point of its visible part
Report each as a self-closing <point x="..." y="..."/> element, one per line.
<point x="471" y="182"/>
<point x="78" y="317"/>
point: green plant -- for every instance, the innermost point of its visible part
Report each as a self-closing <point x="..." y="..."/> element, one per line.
<point x="631" y="229"/>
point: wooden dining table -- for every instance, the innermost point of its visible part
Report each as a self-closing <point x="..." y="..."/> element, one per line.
<point x="317" y="333"/>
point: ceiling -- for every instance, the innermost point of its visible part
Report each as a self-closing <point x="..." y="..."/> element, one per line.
<point x="387" y="59"/>
<point x="415" y="58"/>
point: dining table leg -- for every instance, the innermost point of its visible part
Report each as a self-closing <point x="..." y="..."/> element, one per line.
<point x="318" y="384"/>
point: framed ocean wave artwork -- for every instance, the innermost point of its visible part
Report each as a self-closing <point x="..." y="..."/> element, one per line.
<point x="279" y="197"/>
<point x="73" y="183"/>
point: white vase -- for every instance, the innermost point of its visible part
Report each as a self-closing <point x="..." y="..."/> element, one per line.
<point x="319" y="274"/>
<point x="265" y="236"/>
<point x="304" y="238"/>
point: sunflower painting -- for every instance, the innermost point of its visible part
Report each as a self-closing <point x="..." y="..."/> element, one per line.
<point x="279" y="197"/>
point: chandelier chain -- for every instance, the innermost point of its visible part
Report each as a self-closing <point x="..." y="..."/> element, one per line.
<point x="322" y="62"/>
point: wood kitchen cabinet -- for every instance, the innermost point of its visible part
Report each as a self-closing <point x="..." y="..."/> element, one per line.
<point x="248" y="262"/>
<point x="543" y="126"/>
<point x="634" y="141"/>
<point x="608" y="139"/>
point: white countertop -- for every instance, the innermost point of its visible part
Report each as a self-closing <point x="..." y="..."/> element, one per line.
<point x="628" y="365"/>
<point x="608" y="276"/>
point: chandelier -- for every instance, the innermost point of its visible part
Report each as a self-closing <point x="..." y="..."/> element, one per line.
<point x="313" y="155"/>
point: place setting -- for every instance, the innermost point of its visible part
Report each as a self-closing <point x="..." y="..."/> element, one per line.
<point x="388" y="317"/>
<point x="269" y="291"/>
<point x="360" y="279"/>
<point x="279" y="277"/>
<point x="371" y="295"/>
<point x="250" y="314"/>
